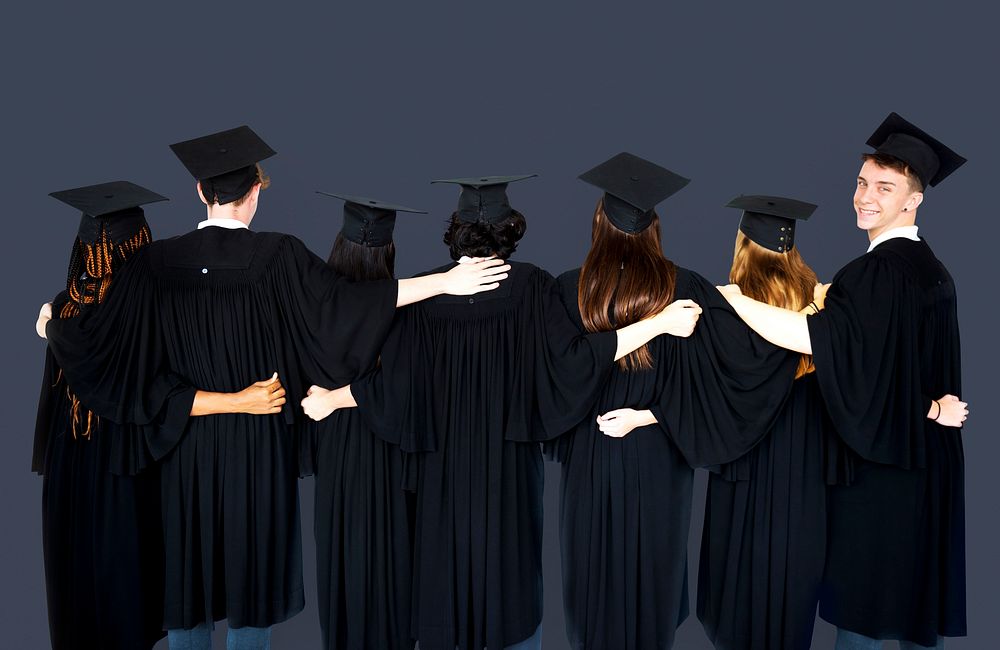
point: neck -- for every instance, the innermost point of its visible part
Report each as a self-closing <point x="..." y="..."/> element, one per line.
<point x="230" y="211"/>
<point x="910" y="219"/>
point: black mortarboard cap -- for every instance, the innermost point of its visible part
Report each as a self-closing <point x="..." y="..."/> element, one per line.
<point x="484" y="198"/>
<point x="369" y="222"/>
<point x="632" y="188"/>
<point x="114" y="205"/>
<point x="224" y="162"/>
<point x="929" y="159"/>
<point x="770" y="220"/>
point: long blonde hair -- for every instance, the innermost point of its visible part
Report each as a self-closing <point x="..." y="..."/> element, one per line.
<point x="779" y="279"/>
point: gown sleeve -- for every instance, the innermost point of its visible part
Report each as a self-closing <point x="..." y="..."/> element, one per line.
<point x="722" y="387"/>
<point x="114" y="359"/>
<point x="396" y="399"/>
<point x="868" y="363"/>
<point x="560" y="371"/>
<point x="330" y="329"/>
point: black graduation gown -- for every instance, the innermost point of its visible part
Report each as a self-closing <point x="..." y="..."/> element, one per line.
<point x="101" y="538"/>
<point x="764" y="536"/>
<point x="626" y="502"/>
<point x="219" y="309"/>
<point x="362" y="534"/>
<point x="468" y="385"/>
<point x="885" y="344"/>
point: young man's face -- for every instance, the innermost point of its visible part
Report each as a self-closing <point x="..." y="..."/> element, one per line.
<point x="883" y="199"/>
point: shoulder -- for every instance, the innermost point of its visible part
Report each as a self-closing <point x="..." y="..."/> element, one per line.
<point x="570" y="278"/>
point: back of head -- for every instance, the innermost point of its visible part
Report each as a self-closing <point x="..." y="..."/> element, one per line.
<point x="359" y="262"/>
<point x="484" y="238"/>
<point x="95" y="259"/>
<point x="624" y="279"/>
<point x="780" y="279"/>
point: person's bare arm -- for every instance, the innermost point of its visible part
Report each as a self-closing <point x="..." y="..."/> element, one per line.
<point x="260" y="398"/>
<point x="948" y="411"/>
<point x="321" y="402"/>
<point x="677" y="319"/>
<point x="782" y="327"/>
<point x="463" y="280"/>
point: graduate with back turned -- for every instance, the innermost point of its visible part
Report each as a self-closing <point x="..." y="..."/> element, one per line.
<point x="469" y="386"/>
<point x="885" y="345"/>
<point x="216" y="308"/>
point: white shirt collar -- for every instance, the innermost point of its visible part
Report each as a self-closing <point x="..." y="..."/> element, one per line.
<point x="231" y="224"/>
<point x="909" y="232"/>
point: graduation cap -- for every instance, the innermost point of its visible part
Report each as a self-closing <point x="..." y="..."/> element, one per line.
<point x="484" y="198"/>
<point x="632" y="188"/>
<point x="770" y="220"/>
<point x="115" y="206"/>
<point x="369" y="222"/>
<point x="929" y="159"/>
<point x="225" y="163"/>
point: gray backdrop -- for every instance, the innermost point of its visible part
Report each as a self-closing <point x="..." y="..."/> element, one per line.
<point x="378" y="99"/>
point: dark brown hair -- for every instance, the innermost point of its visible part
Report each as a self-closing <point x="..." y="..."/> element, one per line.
<point x="362" y="263"/>
<point x="481" y="239"/>
<point x="779" y="279"/>
<point x="895" y="164"/>
<point x="624" y="279"/>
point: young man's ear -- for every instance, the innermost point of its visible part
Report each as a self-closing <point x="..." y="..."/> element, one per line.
<point x="201" y="195"/>
<point x="913" y="202"/>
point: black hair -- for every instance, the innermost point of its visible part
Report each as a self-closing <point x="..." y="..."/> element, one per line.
<point x="483" y="239"/>
<point x="358" y="262"/>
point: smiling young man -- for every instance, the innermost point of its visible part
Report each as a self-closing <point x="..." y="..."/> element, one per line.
<point x="885" y="342"/>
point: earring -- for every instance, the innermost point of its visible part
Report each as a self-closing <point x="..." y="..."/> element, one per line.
<point x="905" y="209"/>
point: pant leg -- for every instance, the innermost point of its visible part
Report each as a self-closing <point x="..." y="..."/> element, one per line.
<point x="248" y="638"/>
<point x="197" y="638"/>
<point x="908" y="645"/>
<point x="847" y="640"/>
<point x="533" y="642"/>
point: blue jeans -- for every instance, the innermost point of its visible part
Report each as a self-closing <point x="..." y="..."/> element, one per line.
<point x="237" y="638"/>
<point x="853" y="641"/>
<point x="533" y="642"/>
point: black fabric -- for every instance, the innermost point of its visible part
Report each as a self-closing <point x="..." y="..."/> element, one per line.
<point x="484" y="199"/>
<point x="764" y="537"/>
<point x="228" y="187"/>
<point x="468" y="384"/>
<point x="928" y="157"/>
<point x="105" y="199"/>
<point x="220" y="309"/>
<point x="888" y="338"/>
<point x="101" y="536"/>
<point x="119" y="226"/>
<point x="632" y="188"/>
<point x="369" y="222"/>
<point x="626" y="502"/>
<point x="362" y="533"/>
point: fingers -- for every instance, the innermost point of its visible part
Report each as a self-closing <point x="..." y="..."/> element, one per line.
<point x="267" y="382"/>
<point x="492" y="263"/>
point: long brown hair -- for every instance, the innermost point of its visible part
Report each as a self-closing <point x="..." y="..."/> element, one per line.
<point x="624" y="279"/>
<point x="779" y="279"/>
<point x="91" y="270"/>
